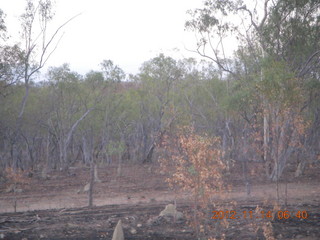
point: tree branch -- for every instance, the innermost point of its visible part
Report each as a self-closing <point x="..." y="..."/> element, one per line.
<point x="74" y="126"/>
<point x="302" y="72"/>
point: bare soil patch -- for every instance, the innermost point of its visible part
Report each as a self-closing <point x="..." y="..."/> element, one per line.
<point x="53" y="208"/>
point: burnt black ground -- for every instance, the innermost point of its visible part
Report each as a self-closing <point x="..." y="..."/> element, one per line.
<point x="99" y="222"/>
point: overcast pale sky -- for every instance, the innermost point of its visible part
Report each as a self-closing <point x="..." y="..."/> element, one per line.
<point x="128" y="32"/>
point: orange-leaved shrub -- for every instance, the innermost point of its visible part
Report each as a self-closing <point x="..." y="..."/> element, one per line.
<point x="195" y="166"/>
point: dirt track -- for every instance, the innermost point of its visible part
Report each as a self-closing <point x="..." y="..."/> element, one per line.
<point x="99" y="222"/>
<point x="139" y="197"/>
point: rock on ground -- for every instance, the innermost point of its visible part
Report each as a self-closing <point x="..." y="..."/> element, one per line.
<point x="171" y="211"/>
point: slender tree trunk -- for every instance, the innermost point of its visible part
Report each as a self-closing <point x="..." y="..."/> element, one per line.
<point x="86" y="150"/>
<point x="90" y="193"/>
<point x="266" y="142"/>
<point x="47" y="157"/>
<point x="65" y="163"/>
<point x="119" y="170"/>
<point x="96" y="177"/>
<point x="245" y="176"/>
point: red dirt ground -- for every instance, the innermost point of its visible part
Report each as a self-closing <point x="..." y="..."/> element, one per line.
<point x="53" y="208"/>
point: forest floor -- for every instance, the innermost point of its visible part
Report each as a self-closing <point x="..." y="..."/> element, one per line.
<point x="55" y="207"/>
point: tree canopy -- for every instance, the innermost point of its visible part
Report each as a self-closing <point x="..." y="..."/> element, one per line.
<point x="261" y="101"/>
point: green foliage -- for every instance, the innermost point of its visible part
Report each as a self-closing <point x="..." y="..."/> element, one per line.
<point x="292" y="30"/>
<point x="272" y="76"/>
<point x="11" y="67"/>
<point x="3" y="27"/>
<point x="115" y="147"/>
<point x="279" y="83"/>
<point x="111" y="72"/>
<point x="94" y="77"/>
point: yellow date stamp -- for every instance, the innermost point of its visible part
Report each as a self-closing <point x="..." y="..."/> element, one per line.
<point x="285" y="214"/>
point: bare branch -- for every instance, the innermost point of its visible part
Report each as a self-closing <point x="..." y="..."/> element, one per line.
<point x="303" y="69"/>
<point x="42" y="61"/>
<point x="217" y="61"/>
<point x="44" y="50"/>
<point x="251" y="16"/>
<point x="74" y="126"/>
<point x="265" y="14"/>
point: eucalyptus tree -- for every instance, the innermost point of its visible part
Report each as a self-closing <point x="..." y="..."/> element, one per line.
<point x="112" y="72"/>
<point x="21" y="62"/>
<point x="10" y="62"/>
<point x="38" y="46"/>
<point x="68" y="108"/>
<point x="111" y="77"/>
<point x="157" y="79"/>
<point x="270" y="34"/>
<point x="11" y="68"/>
<point x="204" y="93"/>
<point x="101" y="133"/>
<point x="289" y="38"/>
<point x="11" y="72"/>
